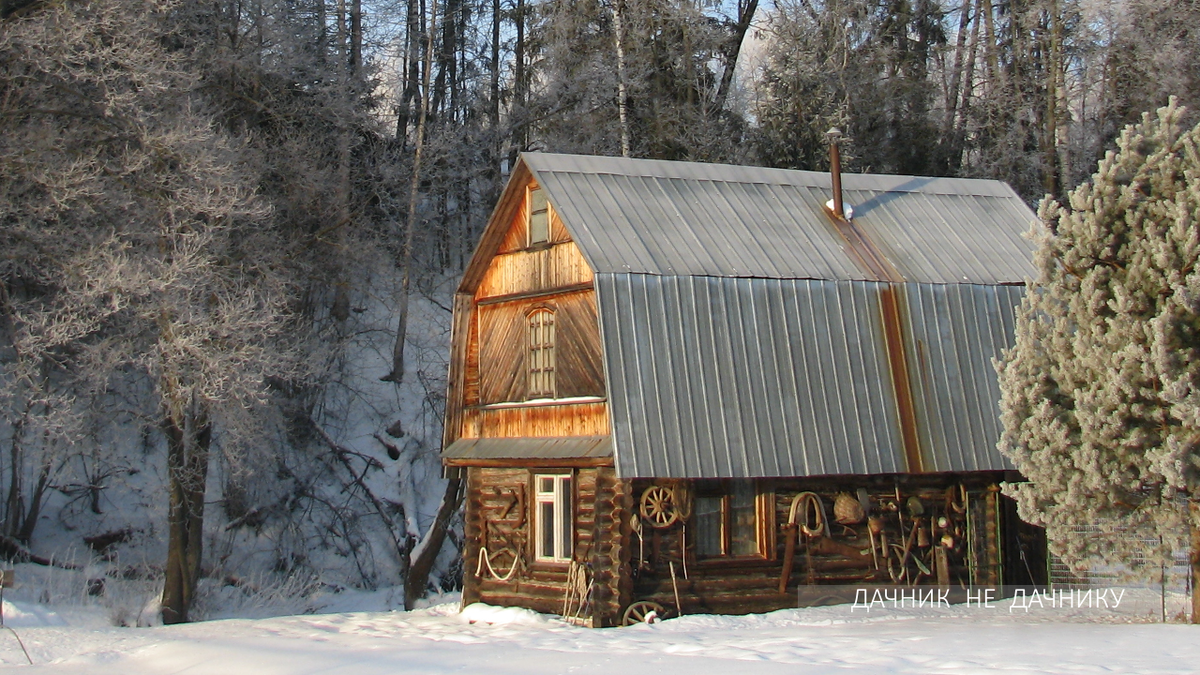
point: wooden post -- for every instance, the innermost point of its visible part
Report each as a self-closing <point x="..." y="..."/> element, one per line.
<point x="789" y="555"/>
<point x="994" y="573"/>
<point x="943" y="565"/>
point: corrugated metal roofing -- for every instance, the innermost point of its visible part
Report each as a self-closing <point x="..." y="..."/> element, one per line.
<point x="952" y="334"/>
<point x="582" y="447"/>
<point x="686" y="218"/>
<point x="741" y="377"/>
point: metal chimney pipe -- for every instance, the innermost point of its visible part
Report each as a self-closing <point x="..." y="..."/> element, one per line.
<point x="835" y="169"/>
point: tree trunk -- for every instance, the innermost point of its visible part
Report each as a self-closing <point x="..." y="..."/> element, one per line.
<point x="989" y="34"/>
<point x="948" y="145"/>
<point x="732" y="51"/>
<point x="494" y="86"/>
<point x="347" y="69"/>
<point x="36" y="499"/>
<point x="622" y="96"/>
<point x="1050" y="126"/>
<point x="520" y="129"/>
<point x="356" y="39"/>
<point x="188" y="440"/>
<point x="414" y="194"/>
<point x="417" y="580"/>
<point x="412" y="68"/>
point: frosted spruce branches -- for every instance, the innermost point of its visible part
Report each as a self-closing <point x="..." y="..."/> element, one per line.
<point x="1101" y="392"/>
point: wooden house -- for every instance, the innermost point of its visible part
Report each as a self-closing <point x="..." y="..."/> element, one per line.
<point x="694" y="388"/>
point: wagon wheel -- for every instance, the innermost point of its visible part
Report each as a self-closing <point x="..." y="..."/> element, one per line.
<point x="638" y="611"/>
<point x="658" y="506"/>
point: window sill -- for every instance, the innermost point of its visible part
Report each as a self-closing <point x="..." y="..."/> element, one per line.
<point x="541" y="402"/>
<point x="735" y="561"/>
<point x="546" y="562"/>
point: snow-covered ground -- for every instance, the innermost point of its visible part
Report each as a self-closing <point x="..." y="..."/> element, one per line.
<point x="494" y="641"/>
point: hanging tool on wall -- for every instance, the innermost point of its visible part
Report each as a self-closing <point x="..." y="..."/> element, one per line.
<point x="813" y="525"/>
<point x="874" y="529"/>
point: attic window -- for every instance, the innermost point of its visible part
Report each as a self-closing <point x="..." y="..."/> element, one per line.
<point x="541" y="354"/>
<point x="539" y="217"/>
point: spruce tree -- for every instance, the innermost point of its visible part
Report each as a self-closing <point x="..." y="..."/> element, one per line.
<point x="1101" y="392"/>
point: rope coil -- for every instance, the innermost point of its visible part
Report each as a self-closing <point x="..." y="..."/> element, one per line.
<point x="485" y="560"/>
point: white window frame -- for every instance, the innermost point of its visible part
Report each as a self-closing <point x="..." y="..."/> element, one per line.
<point x="559" y="496"/>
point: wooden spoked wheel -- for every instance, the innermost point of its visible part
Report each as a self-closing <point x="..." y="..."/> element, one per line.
<point x="658" y="506"/>
<point x="638" y="611"/>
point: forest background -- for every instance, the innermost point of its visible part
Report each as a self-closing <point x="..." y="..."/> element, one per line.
<point x="230" y="230"/>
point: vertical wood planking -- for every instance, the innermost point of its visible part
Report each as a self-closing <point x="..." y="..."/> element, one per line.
<point x="516" y="236"/>
<point x="503" y="347"/>
<point x="460" y="347"/>
<point x="532" y="271"/>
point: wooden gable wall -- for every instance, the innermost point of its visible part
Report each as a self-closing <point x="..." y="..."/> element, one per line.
<point x="491" y="363"/>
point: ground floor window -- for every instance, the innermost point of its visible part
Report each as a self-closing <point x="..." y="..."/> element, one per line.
<point x="727" y="519"/>
<point x="552" y="517"/>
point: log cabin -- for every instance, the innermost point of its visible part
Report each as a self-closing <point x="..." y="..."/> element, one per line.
<point x="681" y="387"/>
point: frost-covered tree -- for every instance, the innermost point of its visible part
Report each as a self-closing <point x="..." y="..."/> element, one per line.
<point x="1101" y="392"/>
<point x="143" y="251"/>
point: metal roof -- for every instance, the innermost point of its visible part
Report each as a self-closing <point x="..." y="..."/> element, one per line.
<point x="741" y="377"/>
<point x="747" y="333"/>
<point x="952" y="333"/>
<point x="687" y="218"/>
<point x="581" y="447"/>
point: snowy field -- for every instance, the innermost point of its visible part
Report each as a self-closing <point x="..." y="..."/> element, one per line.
<point x="494" y="641"/>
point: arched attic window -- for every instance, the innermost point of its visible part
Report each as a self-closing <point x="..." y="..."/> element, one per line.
<point x="541" y="353"/>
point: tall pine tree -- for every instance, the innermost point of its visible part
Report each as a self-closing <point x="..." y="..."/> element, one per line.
<point x="1101" y="393"/>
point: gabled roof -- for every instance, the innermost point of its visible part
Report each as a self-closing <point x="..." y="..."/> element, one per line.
<point x="686" y="218"/>
<point x="743" y="331"/>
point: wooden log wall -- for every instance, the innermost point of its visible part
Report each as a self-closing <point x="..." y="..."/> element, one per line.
<point x="972" y="552"/>
<point x="498" y="524"/>
<point x="610" y="559"/>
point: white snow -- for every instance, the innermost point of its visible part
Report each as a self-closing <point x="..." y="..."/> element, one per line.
<point x="498" y="641"/>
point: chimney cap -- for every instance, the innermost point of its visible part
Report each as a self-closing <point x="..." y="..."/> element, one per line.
<point x="834" y="134"/>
